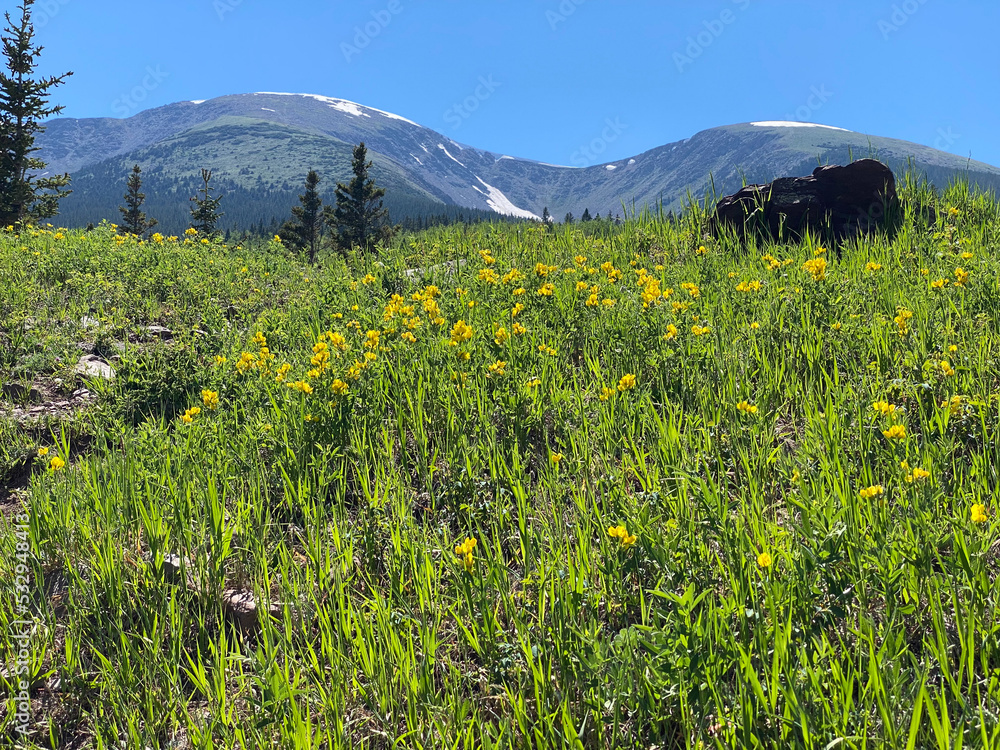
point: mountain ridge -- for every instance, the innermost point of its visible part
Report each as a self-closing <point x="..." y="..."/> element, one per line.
<point x="252" y="131"/>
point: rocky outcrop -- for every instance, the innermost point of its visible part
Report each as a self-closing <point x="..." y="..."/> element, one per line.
<point x="834" y="203"/>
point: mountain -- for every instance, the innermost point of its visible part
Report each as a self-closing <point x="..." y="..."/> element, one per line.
<point x="261" y="145"/>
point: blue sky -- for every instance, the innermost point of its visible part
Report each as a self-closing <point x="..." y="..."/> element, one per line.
<point x="545" y="79"/>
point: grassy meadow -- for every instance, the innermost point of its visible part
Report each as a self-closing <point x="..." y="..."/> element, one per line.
<point x="615" y="487"/>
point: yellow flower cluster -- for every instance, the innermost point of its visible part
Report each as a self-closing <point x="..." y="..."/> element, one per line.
<point x="816" y="268"/>
<point x="748" y="286"/>
<point x="210" y="399"/>
<point x="961" y="277"/>
<point x="621" y="534"/>
<point x="691" y="289"/>
<point x="626" y="383"/>
<point x="464" y="551"/>
<point x="746" y="407"/>
<point x="902" y="321"/>
<point x="460" y="333"/>
<point x="896" y="432"/>
<point x="301" y="386"/>
<point x="188" y="416"/>
<point x="772" y="263"/>
<point x="884" y="408"/>
<point x="978" y="512"/>
<point x="872" y="492"/>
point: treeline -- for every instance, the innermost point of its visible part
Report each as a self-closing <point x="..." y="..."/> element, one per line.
<point x="258" y="211"/>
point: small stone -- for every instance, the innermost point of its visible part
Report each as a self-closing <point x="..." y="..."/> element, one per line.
<point x="90" y="366"/>
<point x="172" y="568"/>
<point x="81" y="393"/>
<point x="160" y="332"/>
<point x="241" y="607"/>
<point x="87" y="322"/>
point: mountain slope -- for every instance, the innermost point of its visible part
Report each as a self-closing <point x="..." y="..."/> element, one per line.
<point x="267" y="141"/>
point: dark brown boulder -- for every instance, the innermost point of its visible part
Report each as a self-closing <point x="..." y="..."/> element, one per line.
<point x="835" y="203"/>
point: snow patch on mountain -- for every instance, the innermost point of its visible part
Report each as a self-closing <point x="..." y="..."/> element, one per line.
<point x="342" y="105"/>
<point x="500" y="203"/>
<point x="197" y="101"/>
<point x="611" y="167"/>
<point x="787" y="124"/>
<point x="441" y="146"/>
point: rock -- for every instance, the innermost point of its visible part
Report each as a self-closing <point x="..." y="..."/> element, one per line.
<point x="160" y="332"/>
<point x="90" y="366"/>
<point x="835" y="203"/>
<point x="241" y="607"/>
<point x="447" y="268"/>
<point x="87" y="322"/>
<point x="172" y="569"/>
<point x="19" y="393"/>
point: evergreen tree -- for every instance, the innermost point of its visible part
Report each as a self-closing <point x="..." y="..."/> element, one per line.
<point x="305" y="230"/>
<point x="359" y="220"/>
<point x="586" y="215"/>
<point x="569" y="218"/>
<point x="23" y="100"/>
<point x="134" y="219"/>
<point x="546" y="216"/>
<point x="205" y="214"/>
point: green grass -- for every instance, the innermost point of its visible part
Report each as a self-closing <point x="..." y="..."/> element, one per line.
<point x="874" y="626"/>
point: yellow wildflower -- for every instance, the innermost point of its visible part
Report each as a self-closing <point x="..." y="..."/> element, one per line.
<point x="626" y="383"/>
<point x="978" y="512"/>
<point x="764" y="560"/>
<point x="896" y="432"/>
<point x="621" y="534"/>
<point x="210" y="399"/>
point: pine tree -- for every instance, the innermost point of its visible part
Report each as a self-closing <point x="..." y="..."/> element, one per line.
<point x="205" y="214"/>
<point x="569" y="218"/>
<point x="23" y="99"/>
<point x="305" y="230"/>
<point x="359" y="220"/>
<point x="546" y="216"/>
<point x="586" y="215"/>
<point x="134" y="219"/>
